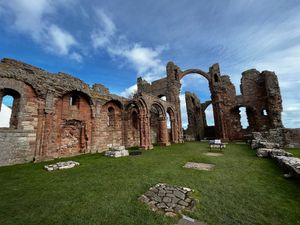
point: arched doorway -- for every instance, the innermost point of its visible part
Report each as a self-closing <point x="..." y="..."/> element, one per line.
<point x="171" y="125"/>
<point x="74" y="124"/>
<point x="158" y="125"/>
<point x="133" y="125"/>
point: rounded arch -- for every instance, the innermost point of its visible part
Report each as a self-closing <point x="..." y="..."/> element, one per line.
<point x="132" y="105"/>
<point x="197" y="71"/>
<point x="159" y="108"/>
<point x="76" y="94"/>
<point x="115" y="103"/>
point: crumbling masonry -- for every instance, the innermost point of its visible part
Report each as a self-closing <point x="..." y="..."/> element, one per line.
<point x="57" y="115"/>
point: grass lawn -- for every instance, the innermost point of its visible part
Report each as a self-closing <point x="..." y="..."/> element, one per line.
<point x="243" y="189"/>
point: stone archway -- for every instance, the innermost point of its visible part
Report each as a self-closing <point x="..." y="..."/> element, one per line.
<point x="175" y="75"/>
<point x="172" y="134"/>
<point x="158" y="125"/>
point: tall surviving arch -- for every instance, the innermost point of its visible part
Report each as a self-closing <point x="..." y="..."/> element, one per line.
<point x="174" y="76"/>
<point x="170" y="87"/>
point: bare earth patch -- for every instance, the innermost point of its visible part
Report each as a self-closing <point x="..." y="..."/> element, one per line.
<point x="199" y="166"/>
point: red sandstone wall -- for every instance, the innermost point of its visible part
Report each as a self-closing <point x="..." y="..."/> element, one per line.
<point x="17" y="145"/>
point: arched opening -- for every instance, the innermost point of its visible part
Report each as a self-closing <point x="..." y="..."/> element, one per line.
<point x="194" y="110"/>
<point x="76" y="123"/>
<point x="112" y="113"/>
<point x="264" y="112"/>
<point x="209" y="114"/>
<point x="172" y="136"/>
<point x="216" y="78"/>
<point x="243" y="118"/>
<point x="9" y="108"/>
<point x="74" y="100"/>
<point x="132" y="125"/>
<point x="154" y="124"/>
<point x="6" y="110"/>
<point x="158" y="125"/>
<point x="135" y="120"/>
<point x="110" y="117"/>
<point x="163" y="97"/>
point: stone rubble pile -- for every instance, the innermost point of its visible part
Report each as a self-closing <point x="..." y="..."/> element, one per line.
<point x="61" y="165"/>
<point x="116" y="151"/>
<point x="168" y="199"/>
<point x="271" y="152"/>
<point x="265" y="149"/>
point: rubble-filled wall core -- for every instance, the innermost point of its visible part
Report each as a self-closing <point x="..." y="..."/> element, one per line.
<point x="57" y="115"/>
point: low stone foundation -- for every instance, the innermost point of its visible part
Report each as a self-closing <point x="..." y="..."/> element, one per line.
<point x="168" y="199"/>
<point x="61" y="166"/>
<point x="199" y="166"/>
<point x="276" y="138"/>
<point x="267" y="152"/>
<point x="291" y="165"/>
<point x="117" y="151"/>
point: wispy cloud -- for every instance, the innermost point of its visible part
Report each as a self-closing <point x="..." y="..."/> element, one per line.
<point x="145" y="60"/>
<point x="32" y="18"/>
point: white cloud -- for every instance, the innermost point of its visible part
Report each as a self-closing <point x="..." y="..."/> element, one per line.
<point x="29" y="15"/>
<point x="129" y="91"/>
<point x="32" y="18"/>
<point x="145" y="60"/>
<point x="60" y="40"/>
<point x="76" y="56"/>
<point x="103" y="35"/>
<point x="5" y="114"/>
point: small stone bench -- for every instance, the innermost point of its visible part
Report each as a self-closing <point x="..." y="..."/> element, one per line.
<point x="216" y="144"/>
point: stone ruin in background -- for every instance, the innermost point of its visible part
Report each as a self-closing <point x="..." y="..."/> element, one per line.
<point x="58" y="115"/>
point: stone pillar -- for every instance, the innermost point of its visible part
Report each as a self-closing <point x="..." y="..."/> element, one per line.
<point x="163" y="132"/>
<point x="145" y="142"/>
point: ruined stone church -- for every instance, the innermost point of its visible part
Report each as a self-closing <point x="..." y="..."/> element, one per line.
<point x="58" y="115"/>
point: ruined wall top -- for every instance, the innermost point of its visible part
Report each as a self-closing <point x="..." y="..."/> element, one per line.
<point x="57" y="84"/>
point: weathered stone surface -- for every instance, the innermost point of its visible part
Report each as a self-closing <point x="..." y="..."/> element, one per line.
<point x="61" y="166"/>
<point x="117" y="151"/>
<point x="291" y="165"/>
<point x="271" y="152"/>
<point x="199" y="166"/>
<point x="179" y="198"/>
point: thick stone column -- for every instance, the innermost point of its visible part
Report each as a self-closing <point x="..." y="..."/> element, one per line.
<point x="163" y="132"/>
<point x="145" y="142"/>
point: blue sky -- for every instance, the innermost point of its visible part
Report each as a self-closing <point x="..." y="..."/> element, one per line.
<point x="114" y="42"/>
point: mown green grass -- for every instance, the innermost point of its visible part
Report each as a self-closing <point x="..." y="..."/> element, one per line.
<point x="243" y="189"/>
<point x="294" y="151"/>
